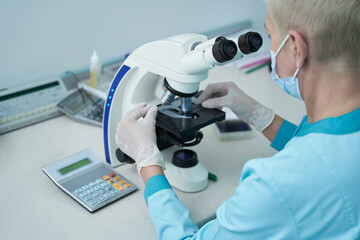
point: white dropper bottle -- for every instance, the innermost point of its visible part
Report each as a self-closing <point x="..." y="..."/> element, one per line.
<point x="95" y="70"/>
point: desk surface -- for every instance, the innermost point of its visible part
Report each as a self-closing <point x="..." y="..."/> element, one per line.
<point x="32" y="207"/>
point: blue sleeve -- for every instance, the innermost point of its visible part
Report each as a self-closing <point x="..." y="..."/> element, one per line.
<point x="285" y="133"/>
<point x="170" y="217"/>
<point x="155" y="184"/>
<point x="256" y="211"/>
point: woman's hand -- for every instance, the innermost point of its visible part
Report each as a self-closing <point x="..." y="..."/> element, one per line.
<point x="136" y="136"/>
<point x="246" y="108"/>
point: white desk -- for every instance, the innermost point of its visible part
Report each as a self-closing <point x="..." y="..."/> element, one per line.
<point x="32" y="207"/>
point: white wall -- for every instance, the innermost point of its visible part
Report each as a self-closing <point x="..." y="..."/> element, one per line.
<point x="43" y="38"/>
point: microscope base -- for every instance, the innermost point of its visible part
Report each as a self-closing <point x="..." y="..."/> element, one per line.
<point x="193" y="179"/>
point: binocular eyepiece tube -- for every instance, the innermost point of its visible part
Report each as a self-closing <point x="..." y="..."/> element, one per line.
<point x="249" y="42"/>
<point x="208" y="54"/>
<point x="219" y="51"/>
<point x="224" y="50"/>
<point x="204" y="56"/>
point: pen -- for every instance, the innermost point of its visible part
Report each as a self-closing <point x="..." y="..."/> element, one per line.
<point x="92" y="91"/>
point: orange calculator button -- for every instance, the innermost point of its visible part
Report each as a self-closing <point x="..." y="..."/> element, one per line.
<point x="118" y="186"/>
<point x="117" y="178"/>
<point x="112" y="174"/>
<point x="106" y="177"/>
<point x="122" y="181"/>
<point x="127" y="185"/>
<point x="110" y="181"/>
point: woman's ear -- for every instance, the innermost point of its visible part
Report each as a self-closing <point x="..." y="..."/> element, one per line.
<point x="298" y="49"/>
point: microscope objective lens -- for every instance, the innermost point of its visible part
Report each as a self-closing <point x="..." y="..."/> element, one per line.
<point x="167" y="97"/>
<point x="186" y="105"/>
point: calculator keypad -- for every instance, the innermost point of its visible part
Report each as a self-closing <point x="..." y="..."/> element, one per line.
<point x="94" y="112"/>
<point x="101" y="189"/>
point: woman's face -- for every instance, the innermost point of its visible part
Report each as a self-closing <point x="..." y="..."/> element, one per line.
<point x="285" y="63"/>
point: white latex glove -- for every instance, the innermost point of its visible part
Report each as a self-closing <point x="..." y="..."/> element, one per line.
<point x="247" y="109"/>
<point x="136" y="137"/>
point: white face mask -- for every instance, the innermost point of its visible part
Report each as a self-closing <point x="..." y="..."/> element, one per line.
<point x="290" y="84"/>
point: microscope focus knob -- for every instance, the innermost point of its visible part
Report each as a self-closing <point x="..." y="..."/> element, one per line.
<point x="122" y="157"/>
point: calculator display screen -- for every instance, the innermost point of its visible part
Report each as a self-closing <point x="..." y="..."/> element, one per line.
<point x="74" y="166"/>
<point x="30" y="90"/>
<point x="75" y="105"/>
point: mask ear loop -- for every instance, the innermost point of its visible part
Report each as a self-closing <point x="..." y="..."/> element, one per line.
<point x="293" y="77"/>
<point x="282" y="44"/>
<point x="297" y="70"/>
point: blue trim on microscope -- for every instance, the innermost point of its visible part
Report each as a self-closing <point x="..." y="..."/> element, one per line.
<point x="119" y="76"/>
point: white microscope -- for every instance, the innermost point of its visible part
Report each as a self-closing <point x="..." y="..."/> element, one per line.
<point x="181" y="62"/>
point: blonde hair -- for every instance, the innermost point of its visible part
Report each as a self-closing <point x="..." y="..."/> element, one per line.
<point x="332" y="26"/>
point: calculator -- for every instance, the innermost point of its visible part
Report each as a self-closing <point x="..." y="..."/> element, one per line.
<point x="90" y="182"/>
<point x="83" y="107"/>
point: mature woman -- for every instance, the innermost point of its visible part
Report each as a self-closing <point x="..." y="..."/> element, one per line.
<point x="310" y="189"/>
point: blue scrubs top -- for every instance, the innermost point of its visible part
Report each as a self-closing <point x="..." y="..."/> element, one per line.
<point x="310" y="189"/>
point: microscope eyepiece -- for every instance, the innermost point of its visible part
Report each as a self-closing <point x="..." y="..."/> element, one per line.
<point x="250" y="42"/>
<point x="224" y="50"/>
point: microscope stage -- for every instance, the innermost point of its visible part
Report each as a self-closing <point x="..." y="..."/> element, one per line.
<point x="182" y="126"/>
